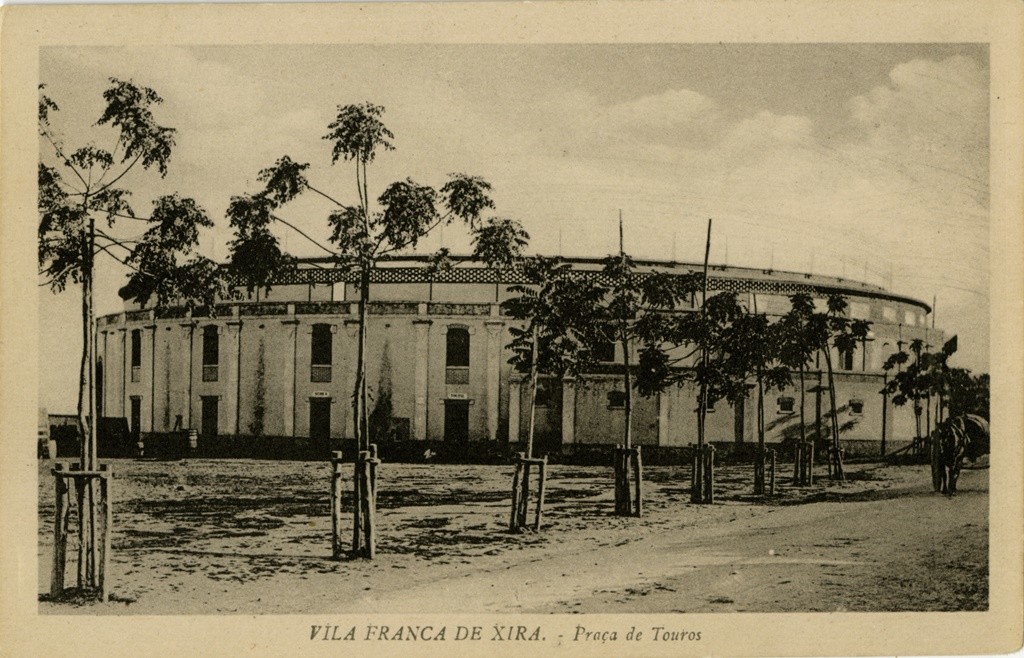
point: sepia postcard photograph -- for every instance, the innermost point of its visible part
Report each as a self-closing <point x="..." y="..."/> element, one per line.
<point x="595" y="328"/>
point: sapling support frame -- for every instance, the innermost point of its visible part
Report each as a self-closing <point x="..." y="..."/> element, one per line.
<point x="702" y="474"/>
<point x="94" y="547"/>
<point x="521" y="492"/>
<point x="629" y="478"/>
<point x="364" y="504"/>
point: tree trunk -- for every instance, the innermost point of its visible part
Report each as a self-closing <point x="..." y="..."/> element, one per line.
<point x="803" y="429"/>
<point x="359" y="401"/>
<point x="628" y="401"/>
<point x="533" y="393"/>
<point x="838" y="472"/>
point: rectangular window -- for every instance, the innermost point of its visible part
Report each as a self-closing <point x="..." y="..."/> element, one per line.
<point x="856" y="407"/>
<point x="846" y="359"/>
<point x="211" y="352"/>
<point x="616" y="399"/>
<point x="457" y="356"/>
<point x="909" y="318"/>
<point x="889" y="314"/>
<point x="321" y="353"/>
<point x="136" y="354"/>
<point x="786" y="405"/>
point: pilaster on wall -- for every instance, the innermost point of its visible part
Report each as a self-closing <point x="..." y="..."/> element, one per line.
<point x="234" y="331"/>
<point x="189" y="329"/>
<point x="149" y="380"/>
<point x="494" y="350"/>
<point x="514" y="396"/>
<point x="419" y="421"/>
<point x="568" y="411"/>
<point x="289" y="355"/>
<point x="125" y="374"/>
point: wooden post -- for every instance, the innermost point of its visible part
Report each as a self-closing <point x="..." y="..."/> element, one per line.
<point x="82" y="527"/>
<point x="357" y="507"/>
<point x="108" y="526"/>
<point x="514" y="516"/>
<point x="524" y="496"/>
<point x="336" y="488"/>
<point x="771" y="473"/>
<point x="373" y="474"/>
<point x="810" y="464"/>
<point x="60" y="538"/>
<point x="370" y="508"/>
<point x="638" y="479"/>
<point x="697" y="477"/>
<point x="543" y="466"/>
<point x="709" y="475"/>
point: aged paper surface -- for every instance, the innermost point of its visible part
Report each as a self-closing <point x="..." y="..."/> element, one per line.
<point x="31" y="35"/>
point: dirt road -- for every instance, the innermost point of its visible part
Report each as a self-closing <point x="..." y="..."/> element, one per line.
<point x="214" y="538"/>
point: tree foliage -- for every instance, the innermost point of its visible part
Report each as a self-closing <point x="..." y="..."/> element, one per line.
<point x="82" y="200"/>
<point x="80" y="186"/>
<point x="363" y="232"/>
<point x="565" y="311"/>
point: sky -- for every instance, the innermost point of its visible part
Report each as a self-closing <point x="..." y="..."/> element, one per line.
<point x="865" y="161"/>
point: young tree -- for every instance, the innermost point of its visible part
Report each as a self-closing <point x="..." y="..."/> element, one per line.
<point x="642" y="306"/>
<point x="563" y="325"/>
<point x="364" y="232"/>
<point x="80" y="187"/>
<point x="752" y="347"/>
<point x="83" y="198"/>
<point x="665" y="361"/>
<point x="833" y="329"/>
<point x="798" y="345"/>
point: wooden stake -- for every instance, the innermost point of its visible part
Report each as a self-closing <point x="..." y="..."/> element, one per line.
<point x="514" y="516"/>
<point x="638" y="479"/>
<point x="82" y="529"/>
<point x="357" y="507"/>
<point x="771" y="475"/>
<point x="524" y="497"/>
<point x="336" y="489"/>
<point x="108" y="528"/>
<point x="92" y="485"/>
<point x="371" y="509"/>
<point x="709" y="489"/>
<point x="540" y="492"/>
<point x="60" y="529"/>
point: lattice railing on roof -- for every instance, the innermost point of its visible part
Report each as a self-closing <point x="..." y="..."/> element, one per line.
<point x="483" y="275"/>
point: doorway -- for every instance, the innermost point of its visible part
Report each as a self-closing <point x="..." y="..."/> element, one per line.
<point x="136" y="418"/>
<point x="456" y="421"/>
<point x="209" y="415"/>
<point x="320" y="419"/>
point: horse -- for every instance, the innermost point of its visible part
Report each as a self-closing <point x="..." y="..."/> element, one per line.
<point x="966" y="435"/>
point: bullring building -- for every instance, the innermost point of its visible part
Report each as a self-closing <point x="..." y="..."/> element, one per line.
<point x="282" y="365"/>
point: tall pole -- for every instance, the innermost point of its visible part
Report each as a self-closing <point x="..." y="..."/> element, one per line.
<point x="624" y="339"/>
<point x="703" y="399"/>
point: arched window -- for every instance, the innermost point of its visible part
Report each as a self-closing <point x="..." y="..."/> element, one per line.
<point x="211" y="352"/>
<point x="457" y="356"/>
<point x="321" y="353"/>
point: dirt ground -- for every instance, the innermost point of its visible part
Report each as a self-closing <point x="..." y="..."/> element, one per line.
<point x="241" y="536"/>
